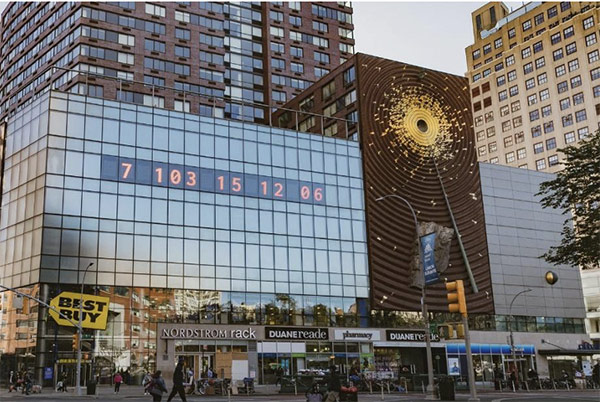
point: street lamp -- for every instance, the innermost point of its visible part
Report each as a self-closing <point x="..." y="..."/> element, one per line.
<point x="78" y="377"/>
<point x="423" y="304"/>
<point x="512" y="339"/>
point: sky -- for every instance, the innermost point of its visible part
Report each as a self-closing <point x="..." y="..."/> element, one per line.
<point x="432" y="35"/>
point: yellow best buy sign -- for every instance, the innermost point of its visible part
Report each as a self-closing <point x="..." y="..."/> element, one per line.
<point x="94" y="311"/>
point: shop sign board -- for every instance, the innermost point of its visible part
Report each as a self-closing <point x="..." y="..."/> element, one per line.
<point x="295" y="333"/>
<point x="399" y="335"/>
<point x="357" y="335"/>
<point x="208" y="333"/>
<point x="94" y="311"/>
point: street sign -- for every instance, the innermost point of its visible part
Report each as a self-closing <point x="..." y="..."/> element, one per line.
<point x="94" y="310"/>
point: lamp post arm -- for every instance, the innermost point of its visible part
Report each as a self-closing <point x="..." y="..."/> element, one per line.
<point x="75" y="324"/>
<point x="407" y="203"/>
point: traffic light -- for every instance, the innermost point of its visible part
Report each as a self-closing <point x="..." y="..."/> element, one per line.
<point x="456" y="297"/>
<point x="445" y="331"/>
<point x="75" y="341"/>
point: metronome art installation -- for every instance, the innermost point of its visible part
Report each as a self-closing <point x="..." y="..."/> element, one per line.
<point x="415" y="122"/>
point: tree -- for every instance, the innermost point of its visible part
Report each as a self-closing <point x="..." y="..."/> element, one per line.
<point x="576" y="189"/>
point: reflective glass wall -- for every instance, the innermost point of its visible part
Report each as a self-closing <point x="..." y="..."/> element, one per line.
<point x="165" y="199"/>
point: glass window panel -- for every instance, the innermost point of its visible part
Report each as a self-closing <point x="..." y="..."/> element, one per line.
<point x="237" y="255"/>
<point x="252" y="256"/>
<point x="106" y="245"/>
<point x="75" y="126"/>
<point x="207" y="215"/>
<point x="74" y="164"/>
<point x="108" y="206"/>
<point x="159" y="248"/>
<point x="175" y="250"/>
<point x="143" y="209"/>
<point x="72" y="202"/>
<point x="142" y="247"/>
<point x="207" y="252"/>
<point x="159" y="211"/>
<point x="222" y="254"/>
<point x="110" y="131"/>
<point x="125" y="211"/>
<point x="88" y="245"/>
<point x="54" y="198"/>
<point x="127" y="133"/>
<point x="125" y="246"/>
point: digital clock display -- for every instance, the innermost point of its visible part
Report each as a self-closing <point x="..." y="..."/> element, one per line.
<point x="138" y="171"/>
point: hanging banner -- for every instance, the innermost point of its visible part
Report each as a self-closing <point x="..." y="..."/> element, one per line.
<point x="94" y="311"/>
<point x="428" y="258"/>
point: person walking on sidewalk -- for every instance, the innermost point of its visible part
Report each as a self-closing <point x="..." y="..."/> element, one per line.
<point x="178" y="379"/>
<point x="156" y="387"/>
<point x="334" y="385"/>
<point x="118" y="381"/>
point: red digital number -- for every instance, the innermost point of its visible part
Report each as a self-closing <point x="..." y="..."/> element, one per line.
<point x="221" y="181"/>
<point x="175" y="177"/>
<point x="263" y="184"/>
<point x="127" y="167"/>
<point x="305" y="192"/>
<point x="318" y="194"/>
<point x="236" y="184"/>
<point x="279" y="189"/>
<point x="191" y="181"/>
<point x="158" y="175"/>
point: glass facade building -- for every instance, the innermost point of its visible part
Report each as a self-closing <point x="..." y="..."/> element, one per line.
<point x="186" y="219"/>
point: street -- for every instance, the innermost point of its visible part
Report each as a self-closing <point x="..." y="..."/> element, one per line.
<point x="131" y="394"/>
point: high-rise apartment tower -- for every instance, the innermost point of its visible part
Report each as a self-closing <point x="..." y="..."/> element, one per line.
<point x="225" y="59"/>
<point x="534" y="75"/>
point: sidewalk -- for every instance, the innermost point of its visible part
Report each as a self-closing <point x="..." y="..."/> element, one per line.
<point x="126" y="391"/>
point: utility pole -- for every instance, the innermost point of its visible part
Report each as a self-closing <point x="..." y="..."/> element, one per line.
<point x="430" y="395"/>
<point x="512" y="339"/>
<point x="79" y="329"/>
<point x="457" y="303"/>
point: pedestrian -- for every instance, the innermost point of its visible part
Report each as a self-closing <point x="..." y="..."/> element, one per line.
<point x="596" y="375"/>
<point x="333" y="386"/>
<point x="63" y="379"/>
<point x="12" y="379"/>
<point x="156" y="387"/>
<point x="146" y="381"/>
<point x="314" y="394"/>
<point x="27" y="383"/>
<point x="279" y="375"/>
<point x="118" y="380"/>
<point x="178" y="379"/>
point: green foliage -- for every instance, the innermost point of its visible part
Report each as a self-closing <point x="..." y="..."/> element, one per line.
<point x="576" y="189"/>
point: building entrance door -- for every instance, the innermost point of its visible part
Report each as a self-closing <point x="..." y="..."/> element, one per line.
<point x="206" y="361"/>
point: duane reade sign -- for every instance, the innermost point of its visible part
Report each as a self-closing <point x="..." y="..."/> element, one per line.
<point x="208" y="333"/>
<point x="296" y="333"/>
<point x="408" y="336"/>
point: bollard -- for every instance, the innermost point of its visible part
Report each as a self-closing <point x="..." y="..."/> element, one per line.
<point x="295" y="389"/>
<point x="423" y="386"/>
<point x="513" y="386"/>
<point x="382" y="396"/>
<point x="527" y="385"/>
<point x="370" y="387"/>
<point x="228" y="394"/>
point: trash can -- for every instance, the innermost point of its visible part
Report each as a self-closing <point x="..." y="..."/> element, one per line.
<point x="446" y="389"/>
<point x="91" y="388"/>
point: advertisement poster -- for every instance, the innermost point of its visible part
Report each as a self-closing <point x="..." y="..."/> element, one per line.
<point x="427" y="248"/>
<point x="453" y="366"/>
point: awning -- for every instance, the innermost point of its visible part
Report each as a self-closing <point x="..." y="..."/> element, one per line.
<point x="569" y="352"/>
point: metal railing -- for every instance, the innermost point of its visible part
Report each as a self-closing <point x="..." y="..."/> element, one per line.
<point x="214" y="101"/>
